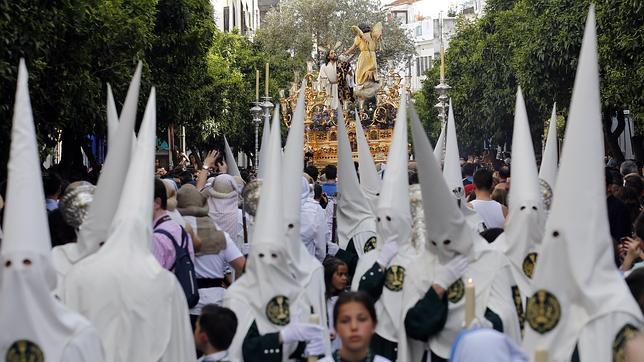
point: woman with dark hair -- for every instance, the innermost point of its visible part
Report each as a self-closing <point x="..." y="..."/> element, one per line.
<point x="355" y="319"/>
<point x="336" y="277"/>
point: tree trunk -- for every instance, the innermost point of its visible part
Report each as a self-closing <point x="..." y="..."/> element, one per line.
<point x="71" y="165"/>
<point x="612" y="144"/>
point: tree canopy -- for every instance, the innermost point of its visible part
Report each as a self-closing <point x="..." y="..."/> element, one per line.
<point x="535" y="44"/>
<point x="297" y="26"/>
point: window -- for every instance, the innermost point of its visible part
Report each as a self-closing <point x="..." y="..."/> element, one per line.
<point x="423" y="64"/>
<point x="226" y="19"/>
<point x="401" y="16"/>
<point x="419" y="31"/>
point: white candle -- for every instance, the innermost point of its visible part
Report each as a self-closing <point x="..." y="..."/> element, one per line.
<point x="267" y="78"/>
<point x="256" y="85"/>
<point x="313" y="319"/>
<point x="541" y="355"/>
<point x="469" y="302"/>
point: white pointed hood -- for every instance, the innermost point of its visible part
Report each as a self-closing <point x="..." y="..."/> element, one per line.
<point x="369" y="178"/>
<point x="439" y="151"/>
<point x="393" y="215"/>
<point x="578" y="289"/>
<point x="233" y="170"/>
<point x="526" y="221"/>
<point x="95" y="228"/>
<point x="447" y="231"/>
<point x="354" y="213"/>
<point x="266" y="276"/>
<point x="452" y="171"/>
<point x="292" y="169"/>
<point x="452" y="164"/>
<point x="550" y="159"/>
<point x="28" y="310"/>
<point x="266" y="132"/>
<point x="112" y="118"/>
<point x="137" y="306"/>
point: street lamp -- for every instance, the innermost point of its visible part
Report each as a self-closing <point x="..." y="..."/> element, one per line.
<point x="266" y="107"/>
<point x="256" y="111"/>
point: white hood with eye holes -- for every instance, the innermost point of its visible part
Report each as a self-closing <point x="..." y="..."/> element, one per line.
<point x="354" y="212"/>
<point x="580" y="298"/>
<point x="448" y="234"/>
<point x="268" y="293"/>
<point x="138" y="308"/>
<point x="34" y="325"/>
<point x="526" y="222"/>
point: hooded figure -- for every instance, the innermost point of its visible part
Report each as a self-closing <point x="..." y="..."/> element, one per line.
<point x="452" y="173"/>
<point x="139" y="308"/>
<point x="549" y="161"/>
<point x="369" y="178"/>
<point x="439" y="151"/>
<point x="268" y="299"/>
<point x="303" y="262"/>
<point x="526" y="221"/>
<point x="233" y="170"/>
<point x="223" y="203"/>
<point x="95" y="228"/>
<point x="112" y="119"/>
<point x="35" y="326"/>
<point x="433" y="300"/>
<point x="581" y="307"/>
<point x="261" y="169"/>
<point x="355" y="216"/>
<point x="392" y="259"/>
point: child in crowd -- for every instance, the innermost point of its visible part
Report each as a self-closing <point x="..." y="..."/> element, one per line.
<point x="355" y="319"/>
<point x="336" y="276"/>
<point x="214" y="332"/>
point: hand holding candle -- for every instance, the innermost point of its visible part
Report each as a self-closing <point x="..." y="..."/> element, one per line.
<point x="313" y="319"/>
<point x="469" y="302"/>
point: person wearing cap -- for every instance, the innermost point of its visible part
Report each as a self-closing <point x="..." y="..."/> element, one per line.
<point x="217" y="253"/>
<point x="35" y="325"/>
<point x="223" y="201"/>
<point x="138" y="307"/>
<point x="385" y="279"/>
<point x="271" y="305"/>
<point x="433" y="307"/>
<point x="581" y="308"/>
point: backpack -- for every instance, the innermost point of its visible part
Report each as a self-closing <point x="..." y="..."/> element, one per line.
<point x="183" y="267"/>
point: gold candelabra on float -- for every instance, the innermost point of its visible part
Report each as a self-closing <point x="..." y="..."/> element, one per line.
<point x="320" y="142"/>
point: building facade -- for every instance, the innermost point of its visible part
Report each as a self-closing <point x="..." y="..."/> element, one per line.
<point x="243" y="15"/>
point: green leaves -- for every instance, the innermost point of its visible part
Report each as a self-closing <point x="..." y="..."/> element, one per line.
<point x="535" y="44"/>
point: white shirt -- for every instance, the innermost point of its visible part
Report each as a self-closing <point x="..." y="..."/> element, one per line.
<point x="213" y="265"/>
<point x="215" y="357"/>
<point x="313" y="228"/>
<point x="490" y="211"/>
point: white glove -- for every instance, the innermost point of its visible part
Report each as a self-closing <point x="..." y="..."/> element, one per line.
<point x="388" y="251"/>
<point x="479" y="323"/>
<point x="245" y="248"/>
<point x="332" y="248"/>
<point x="447" y="274"/>
<point x="315" y="347"/>
<point x="301" y="332"/>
